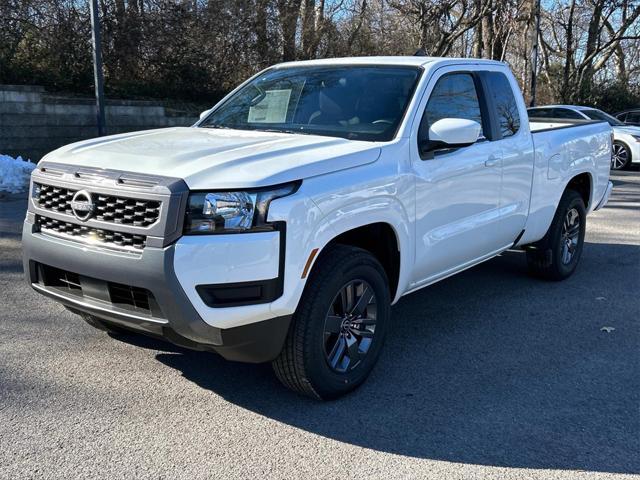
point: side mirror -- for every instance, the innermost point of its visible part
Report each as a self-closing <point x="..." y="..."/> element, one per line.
<point x="453" y="133"/>
<point x="205" y="113"/>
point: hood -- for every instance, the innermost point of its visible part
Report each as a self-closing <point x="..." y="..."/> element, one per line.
<point x="215" y="158"/>
<point x="630" y="129"/>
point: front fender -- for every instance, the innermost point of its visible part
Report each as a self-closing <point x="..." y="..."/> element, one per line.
<point x="315" y="217"/>
<point x="382" y="209"/>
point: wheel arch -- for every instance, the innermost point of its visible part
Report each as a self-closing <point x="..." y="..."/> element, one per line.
<point x="540" y="218"/>
<point x="381" y="240"/>
<point x="583" y="184"/>
<point x="381" y="232"/>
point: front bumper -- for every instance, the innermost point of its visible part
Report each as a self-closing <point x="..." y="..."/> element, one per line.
<point x="173" y="315"/>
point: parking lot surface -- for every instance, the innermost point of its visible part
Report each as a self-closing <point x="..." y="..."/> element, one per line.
<point x="488" y="374"/>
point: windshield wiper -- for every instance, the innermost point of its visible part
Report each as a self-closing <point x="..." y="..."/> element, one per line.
<point x="216" y="126"/>
<point x="258" y="129"/>
<point x="281" y="130"/>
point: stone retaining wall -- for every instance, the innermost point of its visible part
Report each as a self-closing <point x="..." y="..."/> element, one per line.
<point x="34" y="122"/>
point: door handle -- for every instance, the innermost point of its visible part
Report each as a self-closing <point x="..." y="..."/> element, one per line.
<point x="492" y="162"/>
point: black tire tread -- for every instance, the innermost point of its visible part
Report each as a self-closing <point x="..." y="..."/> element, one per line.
<point x="289" y="365"/>
<point x="538" y="259"/>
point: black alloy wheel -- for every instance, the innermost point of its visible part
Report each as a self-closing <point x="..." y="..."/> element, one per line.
<point x="350" y="325"/>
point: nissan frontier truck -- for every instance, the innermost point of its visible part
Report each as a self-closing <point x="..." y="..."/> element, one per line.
<point x="283" y="225"/>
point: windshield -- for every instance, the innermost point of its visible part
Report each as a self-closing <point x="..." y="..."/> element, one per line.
<point x="359" y="103"/>
<point x="594" y="114"/>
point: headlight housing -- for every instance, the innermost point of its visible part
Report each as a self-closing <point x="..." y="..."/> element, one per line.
<point x="232" y="211"/>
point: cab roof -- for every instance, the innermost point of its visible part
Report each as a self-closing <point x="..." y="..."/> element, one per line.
<point x="414" y="60"/>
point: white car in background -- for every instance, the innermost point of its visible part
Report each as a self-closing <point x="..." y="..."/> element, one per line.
<point x="626" y="138"/>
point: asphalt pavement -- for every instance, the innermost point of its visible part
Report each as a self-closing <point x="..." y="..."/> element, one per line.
<point x="488" y="374"/>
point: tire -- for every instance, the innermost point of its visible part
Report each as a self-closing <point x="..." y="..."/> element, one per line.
<point x="556" y="256"/>
<point x="328" y="353"/>
<point x="620" y="156"/>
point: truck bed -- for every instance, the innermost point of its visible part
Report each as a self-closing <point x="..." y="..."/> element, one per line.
<point x="563" y="149"/>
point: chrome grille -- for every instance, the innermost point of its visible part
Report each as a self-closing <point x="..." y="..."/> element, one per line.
<point x="108" y="208"/>
<point x="126" y="210"/>
<point x="88" y="234"/>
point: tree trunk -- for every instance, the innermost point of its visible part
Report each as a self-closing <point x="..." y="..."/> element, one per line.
<point x="261" y="29"/>
<point x="478" y="37"/>
<point x="289" y="11"/>
<point x="308" y="29"/>
<point x="592" y="45"/>
<point x="568" y="56"/>
<point x="488" y="34"/>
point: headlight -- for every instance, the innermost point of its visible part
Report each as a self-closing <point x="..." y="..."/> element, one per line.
<point x="229" y="212"/>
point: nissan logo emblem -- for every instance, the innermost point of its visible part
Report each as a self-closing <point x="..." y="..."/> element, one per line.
<point x="82" y="205"/>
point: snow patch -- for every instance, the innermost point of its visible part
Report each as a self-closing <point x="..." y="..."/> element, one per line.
<point x="14" y="174"/>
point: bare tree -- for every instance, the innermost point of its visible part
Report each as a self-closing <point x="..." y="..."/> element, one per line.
<point x="198" y="49"/>
<point x="442" y="22"/>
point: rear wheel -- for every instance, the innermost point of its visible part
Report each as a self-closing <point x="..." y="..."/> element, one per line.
<point x="620" y="157"/>
<point x="556" y="256"/>
<point x="339" y="327"/>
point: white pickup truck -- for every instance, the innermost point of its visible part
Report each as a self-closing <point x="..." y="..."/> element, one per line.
<point x="286" y="222"/>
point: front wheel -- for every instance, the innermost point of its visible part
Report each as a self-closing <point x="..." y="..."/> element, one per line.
<point x="556" y="256"/>
<point x="339" y="327"/>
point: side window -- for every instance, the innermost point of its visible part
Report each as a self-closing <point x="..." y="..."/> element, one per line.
<point x="540" y="112"/>
<point x="505" y="103"/>
<point x="566" y="113"/>
<point x="454" y="96"/>
<point x="633" y="117"/>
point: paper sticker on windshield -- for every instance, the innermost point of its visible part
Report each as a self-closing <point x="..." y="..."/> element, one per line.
<point x="272" y="108"/>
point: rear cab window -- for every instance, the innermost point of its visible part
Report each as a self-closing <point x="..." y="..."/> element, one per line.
<point x="504" y="101"/>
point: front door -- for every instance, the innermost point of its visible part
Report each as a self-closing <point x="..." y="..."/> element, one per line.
<point x="457" y="190"/>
